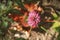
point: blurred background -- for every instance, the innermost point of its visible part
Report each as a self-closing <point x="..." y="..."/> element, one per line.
<point x="14" y="16"/>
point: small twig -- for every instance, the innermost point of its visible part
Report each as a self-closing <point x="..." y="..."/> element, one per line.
<point x="30" y="29"/>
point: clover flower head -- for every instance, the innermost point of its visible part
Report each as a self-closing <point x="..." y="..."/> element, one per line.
<point x="33" y="19"/>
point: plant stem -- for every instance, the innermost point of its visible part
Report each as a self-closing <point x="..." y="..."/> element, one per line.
<point x="30" y="29"/>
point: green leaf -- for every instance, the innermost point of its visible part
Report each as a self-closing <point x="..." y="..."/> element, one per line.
<point x="14" y="11"/>
<point x="20" y="39"/>
<point x="54" y="14"/>
<point x="4" y="24"/>
<point x="1" y="33"/>
<point x="9" y="5"/>
<point x="20" y="3"/>
<point x="2" y="9"/>
<point x="58" y="37"/>
<point x="58" y="12"/>
<point x="44" y="29"/>
<point x="5" y="8"/>
<point x="56" y="26"/>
